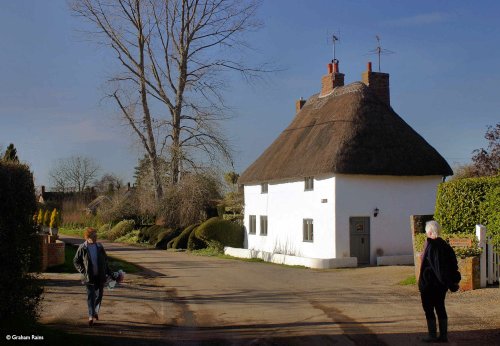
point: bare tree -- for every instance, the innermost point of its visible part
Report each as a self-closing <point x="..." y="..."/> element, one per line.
<point x="487" y="161"/>
<point x="108" y="183"/>
<point x="73" y="174"/>
<point x="174" y="54"/>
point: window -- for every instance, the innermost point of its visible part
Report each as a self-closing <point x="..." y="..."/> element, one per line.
<point x="252" y="224"/>
<point x="308" y="184"/>
<point x="263" y="188"/>
<point x="307" y="227"/>
<point x="263" y="225"/>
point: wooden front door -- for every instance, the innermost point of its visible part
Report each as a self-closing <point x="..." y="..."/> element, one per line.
<point x="360" y="238"/>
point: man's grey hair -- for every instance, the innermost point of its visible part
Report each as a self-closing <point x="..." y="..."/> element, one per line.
<point x="432" y="229"/>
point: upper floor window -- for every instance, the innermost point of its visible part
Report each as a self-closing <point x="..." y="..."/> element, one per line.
<point x="263" y="188"/>
<point x="308" y="184"/>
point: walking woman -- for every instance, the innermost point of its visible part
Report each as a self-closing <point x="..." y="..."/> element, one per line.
<point x="91" y="261"/>
<point x="438" y="273"/>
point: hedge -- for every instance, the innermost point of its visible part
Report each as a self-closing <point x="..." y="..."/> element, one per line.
<point x="19" y="248"/>
<point x="181" y="241"/>
<point x="491" y="208"/>
<point x="164" y="237"/>
<point x="219" y="233"/>
<point x="459" y="203"/>
<point x="120" y="229"/>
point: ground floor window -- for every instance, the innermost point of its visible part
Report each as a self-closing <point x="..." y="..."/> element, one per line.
<point x="252" y="224"/>
<point x="307" y="227"/>
<point x="263" y="225"/>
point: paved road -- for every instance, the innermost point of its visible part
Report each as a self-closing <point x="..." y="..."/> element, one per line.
<point x="192" y="300"/>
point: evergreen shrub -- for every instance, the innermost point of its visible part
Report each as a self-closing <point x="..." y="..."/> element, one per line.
<point x="219" y="233"/>
<point x="491" y="208"/>
<point x="121" y="229"/>
<point x="20" y="288"/>
<point x="164" y="237"/>
<point x="460" y="204"/>
<point x="181" y="241"/>
<point x="195" y="243"/>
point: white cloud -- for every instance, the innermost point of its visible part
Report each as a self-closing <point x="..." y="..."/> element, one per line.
<point x="420" y="19"/>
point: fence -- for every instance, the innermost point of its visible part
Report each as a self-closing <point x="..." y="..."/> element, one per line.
<point x="489" y="261"/>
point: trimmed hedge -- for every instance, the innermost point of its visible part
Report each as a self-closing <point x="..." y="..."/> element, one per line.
<point x="219" y="233"/>
<point x="165" y="237"/>
<point x="195" y="243"/>
<point x="491" y="208"/>
<point x="459" y="203"/>
<point x="120" y="229"/>
<point x="181" y="241"/>
<point x="20" y="288"/>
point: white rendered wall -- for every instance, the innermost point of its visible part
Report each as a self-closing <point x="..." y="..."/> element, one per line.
<point x="396" y="198"/>
<point x="286" y="205"/>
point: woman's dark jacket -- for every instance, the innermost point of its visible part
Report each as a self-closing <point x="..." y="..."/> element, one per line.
<point x="83" y="263"/>
<point x="439" y="269"/>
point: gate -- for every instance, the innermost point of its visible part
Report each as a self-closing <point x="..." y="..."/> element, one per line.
<point x="490" y="260"/>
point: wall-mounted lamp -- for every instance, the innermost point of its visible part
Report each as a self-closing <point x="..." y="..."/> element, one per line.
<point x="375" y="212"/>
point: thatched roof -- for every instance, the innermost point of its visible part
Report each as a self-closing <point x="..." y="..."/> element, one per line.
<point x="349" y="131"/>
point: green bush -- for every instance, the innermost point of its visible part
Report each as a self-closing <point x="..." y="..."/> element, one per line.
<point x="195" y="243"/>
<point x="181" y="241"/>
<point x="220" y="233"/>
<point x="459" y="203"/>
<point x="131" y="237"/>
<point x="165" y="237"/>
<point x="102" y="232"/>
<point x="121" y="229"/>
<point x="151" y="235"/>
<point x="491" y="208"/>
<point x="19" y="248"/>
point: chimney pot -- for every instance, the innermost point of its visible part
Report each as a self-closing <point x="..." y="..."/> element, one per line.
<point x="299" y="104"/>
<point x="330" y="68"/>
<point x="43" y="189"/>
<point x="369" y="67"/>
<point x="336" y="67"/>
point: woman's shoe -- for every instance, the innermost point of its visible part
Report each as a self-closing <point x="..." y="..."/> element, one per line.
<point x="96" y="316"/>
<point x="91" y="323"/>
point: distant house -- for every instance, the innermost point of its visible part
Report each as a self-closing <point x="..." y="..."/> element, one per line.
<point x="55" y="199"/>
<point x="341" y="181"/>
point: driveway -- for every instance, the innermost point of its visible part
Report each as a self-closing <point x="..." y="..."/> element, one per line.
<point x="182" y="299"/>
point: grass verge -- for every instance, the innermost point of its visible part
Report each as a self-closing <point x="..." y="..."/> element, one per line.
<point x="411" y="280"/>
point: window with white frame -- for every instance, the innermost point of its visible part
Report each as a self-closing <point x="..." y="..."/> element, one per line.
<point x="252" y="224"/>
<point x="308" y="183"/>
<point x="263" y="188"/>
<point x="307" y="227"/>
<point x="263" y="225"/>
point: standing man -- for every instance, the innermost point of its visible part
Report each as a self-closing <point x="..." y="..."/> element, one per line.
<point x="91" y="261"/>
<point x="438" y="273"/>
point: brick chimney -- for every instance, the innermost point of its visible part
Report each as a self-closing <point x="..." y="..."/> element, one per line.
<point x="299" y="104"/>
<point x="378" y="82"/>
<point x="43" y="190"/>
<point x="331" y="80"/>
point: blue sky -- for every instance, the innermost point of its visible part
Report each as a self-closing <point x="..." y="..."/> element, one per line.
<point x="444" y="76"/>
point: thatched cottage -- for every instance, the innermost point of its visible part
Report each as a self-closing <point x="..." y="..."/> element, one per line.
<point x="338" y="186"/>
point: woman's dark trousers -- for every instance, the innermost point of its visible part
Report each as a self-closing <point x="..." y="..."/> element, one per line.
<point x="434" y="300"/>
